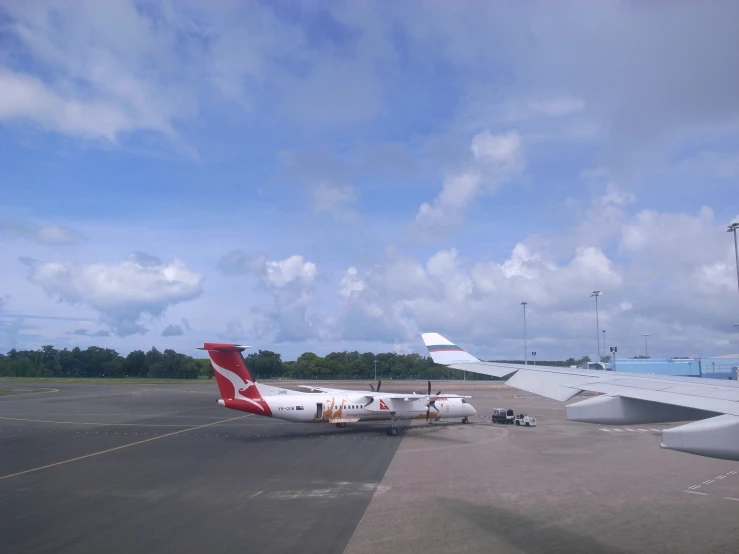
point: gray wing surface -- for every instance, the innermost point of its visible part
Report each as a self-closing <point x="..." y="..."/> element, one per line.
<point x="623" y="398"/>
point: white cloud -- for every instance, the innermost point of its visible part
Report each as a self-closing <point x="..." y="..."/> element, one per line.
<point x="350" y="283"/>
<point x="122" y="293"/>
<point x="279" y="275"/>
<point x="494" y="159"/>
<point x="43" y="234"/>
<point x="291" y="284"/>
<point x="667" y="273"/>
<point x="502" y="150"/>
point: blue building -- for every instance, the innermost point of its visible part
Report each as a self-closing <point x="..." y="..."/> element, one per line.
<point x="718" y="367"/>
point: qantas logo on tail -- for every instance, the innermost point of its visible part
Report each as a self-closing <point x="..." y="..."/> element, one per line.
<point x="383" y="406"/>
<point x="239" y="385"/>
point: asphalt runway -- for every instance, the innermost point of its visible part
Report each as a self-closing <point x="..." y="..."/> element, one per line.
<point x="162" y="468"/>
<point x="90" y="468"/>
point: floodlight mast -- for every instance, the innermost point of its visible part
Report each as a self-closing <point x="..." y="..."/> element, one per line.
<point x="646" y="347"/>
<point x="525" y="348"/>
<point x="732" y="229"/>
<point x="596" y="294"/>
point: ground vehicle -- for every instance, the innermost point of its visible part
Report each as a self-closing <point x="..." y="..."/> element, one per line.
<point x="525" y="420"/>
<point x="503" y="415"/>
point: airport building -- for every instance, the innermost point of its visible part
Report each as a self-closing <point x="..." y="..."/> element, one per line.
<point x="718" y="367"/>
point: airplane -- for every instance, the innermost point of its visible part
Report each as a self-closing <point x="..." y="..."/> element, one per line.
<point x="325" y="405"/>
<point x="623" y="398"/>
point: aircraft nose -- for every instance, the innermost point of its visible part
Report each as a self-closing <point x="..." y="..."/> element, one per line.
<point x="472" y="409"/>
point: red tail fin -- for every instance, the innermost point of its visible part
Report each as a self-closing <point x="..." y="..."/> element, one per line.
<point x="238" y="389"/>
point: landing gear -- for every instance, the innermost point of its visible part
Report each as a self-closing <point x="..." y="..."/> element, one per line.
<point x="465" y="420"/>
<point x="341" y="425"/>
<point x="392" y="431"/>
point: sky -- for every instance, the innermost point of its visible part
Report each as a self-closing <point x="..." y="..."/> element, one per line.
<point x="328" y="176"/>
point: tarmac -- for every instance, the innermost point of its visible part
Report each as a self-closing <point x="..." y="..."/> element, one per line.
<point x="145" y="468"/>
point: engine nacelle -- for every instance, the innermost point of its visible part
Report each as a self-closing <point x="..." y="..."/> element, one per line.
<point x="617" y="410"/>
<point x="716" y="437"/>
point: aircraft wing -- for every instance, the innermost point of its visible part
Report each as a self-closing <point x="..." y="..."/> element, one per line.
<point x="623" y="398"/>
<point x="333" y="391"/>
<point x="389" y="395"/>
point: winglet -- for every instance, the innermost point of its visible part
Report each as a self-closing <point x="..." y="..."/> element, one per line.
<point x="443" y="351"/>
<point x="221" y="347"/>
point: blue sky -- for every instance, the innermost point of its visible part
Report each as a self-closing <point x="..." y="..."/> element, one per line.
<point x="315" y="176"/>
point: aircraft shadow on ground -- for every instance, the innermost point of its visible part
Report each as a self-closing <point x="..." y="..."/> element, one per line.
<point x="524" y="533"/>
<point x="312" y="431"/>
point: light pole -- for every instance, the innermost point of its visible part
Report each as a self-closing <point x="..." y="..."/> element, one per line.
<point x="375" y="370"/>
<point x="646" y="348"/>
<point x="732" y="229"/>
<point x="597" y="293"/>
<point x="533" y="353"/>
<point x="604" y="347"/>
<point x="525" y="348"/>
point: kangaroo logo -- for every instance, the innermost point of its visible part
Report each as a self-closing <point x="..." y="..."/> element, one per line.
<point x="238" y="384"/>
<point x="383" y="406"/>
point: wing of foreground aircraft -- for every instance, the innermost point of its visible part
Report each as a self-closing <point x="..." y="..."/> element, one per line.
<point x="625" y="398"/>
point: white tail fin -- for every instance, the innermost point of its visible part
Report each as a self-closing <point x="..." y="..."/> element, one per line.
<point x="445" y="352"/>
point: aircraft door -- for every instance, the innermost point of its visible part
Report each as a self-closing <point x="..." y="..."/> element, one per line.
<point x="319" y="410"/>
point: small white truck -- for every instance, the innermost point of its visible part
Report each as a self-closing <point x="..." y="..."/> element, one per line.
<point x="525" y="420"/>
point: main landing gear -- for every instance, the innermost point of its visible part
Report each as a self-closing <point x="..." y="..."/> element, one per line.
<point x="465" y="420"/>
<point x="392" y="431"/>
<point x="341" y="425"/>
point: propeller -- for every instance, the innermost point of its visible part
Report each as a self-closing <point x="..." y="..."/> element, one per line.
<point x="379" y="382"/>
<point x="431" y="402"/>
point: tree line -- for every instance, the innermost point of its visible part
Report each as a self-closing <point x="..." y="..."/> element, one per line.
<point x="263" y="364"/>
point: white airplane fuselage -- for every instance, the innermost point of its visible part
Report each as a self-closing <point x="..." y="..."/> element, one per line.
<point x="348" y="408"/>
<point x="324" y="405"/>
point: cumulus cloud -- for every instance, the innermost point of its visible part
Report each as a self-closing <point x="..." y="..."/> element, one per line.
<point x="122" y="293"/>
<point x="291" y="284"/>
<point x="172" y="330"/>
<point x="42" y="234"/>
<point x="494" y="159"/>
<point x="668" y="274"/>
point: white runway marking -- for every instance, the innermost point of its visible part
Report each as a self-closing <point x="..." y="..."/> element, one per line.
<point x="114" y="449"/>
<point x="694" y="492"/>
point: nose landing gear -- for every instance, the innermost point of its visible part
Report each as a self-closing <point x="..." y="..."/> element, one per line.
<point x="465" y="420"/>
